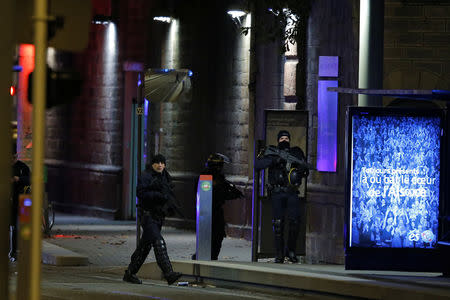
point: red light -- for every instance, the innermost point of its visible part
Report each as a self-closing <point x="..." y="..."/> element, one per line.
<point x="12" y="90"/>
<point x="66" y="236"/>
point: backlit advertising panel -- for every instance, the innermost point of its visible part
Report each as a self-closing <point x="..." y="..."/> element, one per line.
<point x="395" y="179"/>
<point x="396" y="196"/>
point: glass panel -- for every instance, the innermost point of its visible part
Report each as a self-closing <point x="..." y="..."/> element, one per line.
<point x="395" y="181"/>
<point x="327" y="126"/>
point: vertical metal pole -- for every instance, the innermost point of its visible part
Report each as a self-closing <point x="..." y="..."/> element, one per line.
<point x="6" y="54"/>
<point x="39" y="93"/>
<point x="256" y="205"/>
<point x="371" y="48"/>
<point x="253" y="133"/>
<point x="139" y="112"/>
<point x="255" y="216"/>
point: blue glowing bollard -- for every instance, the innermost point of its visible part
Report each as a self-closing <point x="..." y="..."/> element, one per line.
<point x="204" y="213"/>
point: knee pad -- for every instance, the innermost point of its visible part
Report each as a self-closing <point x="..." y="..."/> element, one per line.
<point x="159" y="243"/>
<point x="278" y="226"/>
<point x="293" y="222"/>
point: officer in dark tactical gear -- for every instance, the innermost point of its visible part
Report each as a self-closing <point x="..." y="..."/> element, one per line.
<point x="287" y="166"/>
<point x="222" y="190"/>
<point x="20" y="185"/>
<point x="154" y="191"/>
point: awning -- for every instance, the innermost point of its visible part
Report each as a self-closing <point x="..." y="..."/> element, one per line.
<point x="166" y="85"/>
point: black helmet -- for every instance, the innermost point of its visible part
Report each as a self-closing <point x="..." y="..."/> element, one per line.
<point x="295" y="177"/>
<point x="216" y="161"/>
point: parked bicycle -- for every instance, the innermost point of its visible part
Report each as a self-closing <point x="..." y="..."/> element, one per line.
<point x="48" y="213"/>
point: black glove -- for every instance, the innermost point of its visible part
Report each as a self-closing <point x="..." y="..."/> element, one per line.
<point x="170" y="211"/>
<point x="278" y="160"/>
<point x="159" y="197"/>
<point x="304" y="172"/>
<point x="156" y="185"/>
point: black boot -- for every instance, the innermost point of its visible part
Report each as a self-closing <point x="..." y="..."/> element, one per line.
<point x="294" y="230"/>
<point x="137" y="259"/>
<point x="292" y="257"/>
<point x="278" y="229"/>
<point x="132" y="278"/>
<point x="162" y="259"/>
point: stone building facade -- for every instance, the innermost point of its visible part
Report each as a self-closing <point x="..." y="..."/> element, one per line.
<point x="215" y="116"/>
<point x="416" y="45"/>
<point x="84" y="138"/>
<point x="233" y="82"/>
<point x="416" y="36"/>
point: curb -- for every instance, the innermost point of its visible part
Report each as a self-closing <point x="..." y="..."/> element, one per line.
<point x="263" y="275"/>
<point x="58" y="256"/>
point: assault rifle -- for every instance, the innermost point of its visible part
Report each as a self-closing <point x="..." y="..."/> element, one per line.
<point x="289" y="158"/>
<point x="167" y="190"/>
<point x="171" y="203"/>
<point x="233" y="191"/>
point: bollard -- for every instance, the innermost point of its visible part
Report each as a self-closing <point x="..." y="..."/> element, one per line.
<point x="204" y="220"/>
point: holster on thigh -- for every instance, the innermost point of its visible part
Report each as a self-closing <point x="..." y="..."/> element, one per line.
<point x="278" y="231"/>
<point x="293" y="231"/>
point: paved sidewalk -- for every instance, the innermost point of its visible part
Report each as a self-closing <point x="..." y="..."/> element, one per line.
<point x="111" y="243"/>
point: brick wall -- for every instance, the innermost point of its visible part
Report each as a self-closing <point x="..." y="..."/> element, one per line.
<point x="331" y="32"/>
<point x="416" y="56"/>
<point x="417" y="48"/>
<point x="215" y="116"/>
<point x="86" y="135"/>
<point x="84" y="138"/>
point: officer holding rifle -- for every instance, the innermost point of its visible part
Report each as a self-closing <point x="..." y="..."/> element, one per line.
<point x="287" y="166"/>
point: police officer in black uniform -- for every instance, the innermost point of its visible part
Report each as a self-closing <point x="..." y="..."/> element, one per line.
<point x="284" y="180"/>
<point x="20" y="185"/>
<point x="222" y="191"/>
<point x="154" y="191"/>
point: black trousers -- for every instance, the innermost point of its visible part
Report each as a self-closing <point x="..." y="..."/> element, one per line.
<point x="151" y="232"/>
<point x="217" y="232"/>
<point x="285" y="201"/>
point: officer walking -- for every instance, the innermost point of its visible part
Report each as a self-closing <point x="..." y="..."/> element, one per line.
<point x="154" y="191"/>
<point x="284" y="180"/>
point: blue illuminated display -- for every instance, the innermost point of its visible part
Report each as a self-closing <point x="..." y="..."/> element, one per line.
<point x="395" y="180"/>
<point x="27" y="202"/>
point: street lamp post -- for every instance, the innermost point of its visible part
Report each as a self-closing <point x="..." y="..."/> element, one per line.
<point x="31" y="267"/>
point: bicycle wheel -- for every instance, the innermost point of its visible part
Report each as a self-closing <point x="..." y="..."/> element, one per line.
<point x="48" y="217"/>
<point x="51" y="216"/>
